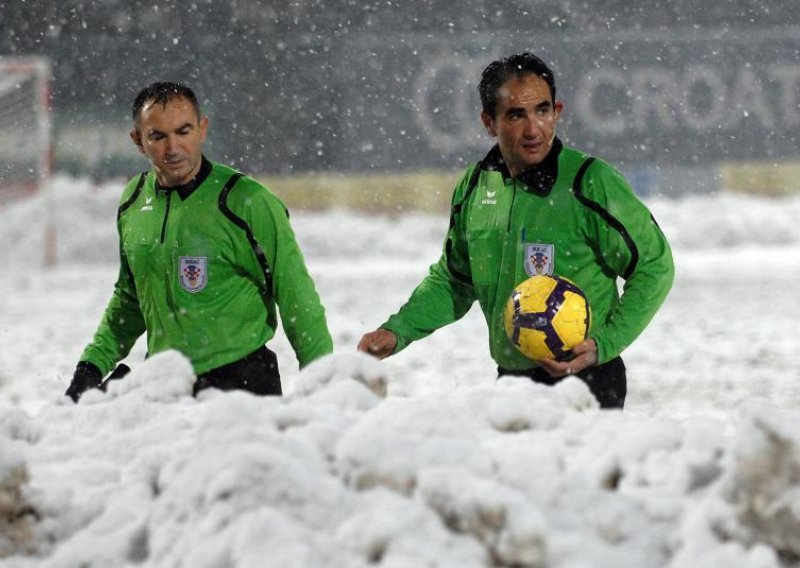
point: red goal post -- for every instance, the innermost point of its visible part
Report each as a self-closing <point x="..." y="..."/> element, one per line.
<point x="26" y="134"/>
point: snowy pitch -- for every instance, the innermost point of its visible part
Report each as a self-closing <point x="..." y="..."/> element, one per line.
<point x="421" y="460"/>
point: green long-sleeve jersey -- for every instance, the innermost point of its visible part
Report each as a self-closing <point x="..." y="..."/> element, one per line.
<point x="572" y="216"/>
<point x="204" y="268"/>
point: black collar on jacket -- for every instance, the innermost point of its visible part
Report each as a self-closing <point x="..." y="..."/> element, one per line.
<point x="188" y="188"/>
<point x="538" y="179"/>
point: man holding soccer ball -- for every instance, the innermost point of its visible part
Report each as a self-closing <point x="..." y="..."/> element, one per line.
<point x="534" y="206"/>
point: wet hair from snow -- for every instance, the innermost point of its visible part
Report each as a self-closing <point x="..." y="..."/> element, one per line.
<point x="498" y="72"/>
<point x="163" y="92"/>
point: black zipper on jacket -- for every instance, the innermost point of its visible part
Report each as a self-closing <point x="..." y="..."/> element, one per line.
<point x="513" y="199"/>
<point x="166" y="214"/>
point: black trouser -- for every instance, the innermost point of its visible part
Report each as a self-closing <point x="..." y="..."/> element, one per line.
<point x="257" y="373"/>
<point x="607" y="381"/>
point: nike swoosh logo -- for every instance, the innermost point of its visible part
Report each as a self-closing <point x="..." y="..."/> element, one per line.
<point x="491" y="193"/>
<point x="148" y="200"/>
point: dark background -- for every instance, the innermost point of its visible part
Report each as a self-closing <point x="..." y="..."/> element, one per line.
<point x="313" y="85"/>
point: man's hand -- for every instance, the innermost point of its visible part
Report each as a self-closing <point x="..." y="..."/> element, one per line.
<point x="585" y="356"/>
<point x="118" y="373"/>
<point x="87" y="376"/>
<point x="379" y="343"/>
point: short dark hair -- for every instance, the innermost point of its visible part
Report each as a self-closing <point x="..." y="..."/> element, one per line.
<point x="163" y="92"/>
<point x="498" y="72"/>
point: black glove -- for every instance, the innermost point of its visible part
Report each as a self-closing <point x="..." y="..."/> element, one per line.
<point x="118" y="373"/>
<point x="87" y="376"/>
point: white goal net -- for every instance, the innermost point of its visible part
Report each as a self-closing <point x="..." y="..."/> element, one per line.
<point x="25" y="147"/>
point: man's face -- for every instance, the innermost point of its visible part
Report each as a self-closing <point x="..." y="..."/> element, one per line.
<point x="172" y="137"/>
<point x="525" y="121"/>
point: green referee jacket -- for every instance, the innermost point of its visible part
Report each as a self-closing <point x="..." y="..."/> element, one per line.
<point x="204" y="268"/>
<point x="572" y="216"/>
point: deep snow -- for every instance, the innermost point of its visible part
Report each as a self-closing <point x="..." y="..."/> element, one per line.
<point x="423" y="459"/>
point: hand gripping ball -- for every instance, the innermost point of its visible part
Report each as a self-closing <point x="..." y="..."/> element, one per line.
<point x="546" y="316"/>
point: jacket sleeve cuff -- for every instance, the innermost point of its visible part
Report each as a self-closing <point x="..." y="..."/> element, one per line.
<point x="604" y="351"/>
<point x="401" y="342"/>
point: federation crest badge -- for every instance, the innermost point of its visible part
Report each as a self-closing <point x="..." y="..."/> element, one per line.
<point x="539" y="259"/>
<point x="193" y="273"/>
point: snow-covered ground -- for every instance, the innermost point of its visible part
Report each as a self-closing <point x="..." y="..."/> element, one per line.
<point x="420" y="460"/>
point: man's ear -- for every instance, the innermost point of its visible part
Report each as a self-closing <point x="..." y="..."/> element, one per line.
<point x="558" y="106"/>
<point x="203" y="128"/>
<point x="137" y="139"/>
<point x="488" y="123"/>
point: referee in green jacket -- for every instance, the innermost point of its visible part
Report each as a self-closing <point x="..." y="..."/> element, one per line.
<point x="207" y="259"/>
<point x="534" y="206"/>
